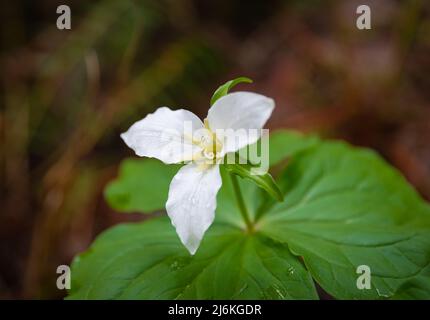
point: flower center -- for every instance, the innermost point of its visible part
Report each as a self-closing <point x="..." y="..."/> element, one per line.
<point x="212" y="147"/>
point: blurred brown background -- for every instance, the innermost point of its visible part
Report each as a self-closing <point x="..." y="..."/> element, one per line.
<point x="67" y="95"/>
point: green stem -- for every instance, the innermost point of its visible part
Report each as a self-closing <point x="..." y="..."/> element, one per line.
<point x="241" y="203"/>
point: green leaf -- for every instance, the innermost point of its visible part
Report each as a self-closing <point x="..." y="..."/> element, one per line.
<point x="262" y="179"/>
<point x="142" y="186"/>
<point x="345" y="207"/>
<point x="282" y="145"/>
<point x="416" y="288"/>
<point x="226" y="87"/>
<point x="286" y="143"/>
<point x="147" y="261"/>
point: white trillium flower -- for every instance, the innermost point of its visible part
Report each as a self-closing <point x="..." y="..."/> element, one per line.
<point x="176" y="136"/>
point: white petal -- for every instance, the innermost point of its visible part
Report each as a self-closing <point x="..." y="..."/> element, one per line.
<point x="242" y="112"/>
<point x="165" y="135"/>
<point x="192" y="202"/>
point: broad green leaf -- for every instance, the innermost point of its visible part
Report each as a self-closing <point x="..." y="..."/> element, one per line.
<point x="282" y="145"/>
<point x="264" y="180"/>
<point x="286" y="143"/>
<point x="142" y="186"/>
<point x="343" y="207"/>
<point x="416" y="288"/>
<point x="147" y="261"/>
<point x="227" y="211"/>
<point x="346" y="207"/>
<point x="226" y="87"/>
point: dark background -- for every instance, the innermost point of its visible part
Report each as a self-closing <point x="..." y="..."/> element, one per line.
<point x="67" y="95"/>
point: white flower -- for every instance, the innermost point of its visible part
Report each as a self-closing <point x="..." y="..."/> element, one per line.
<point x="180" y="136"/>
